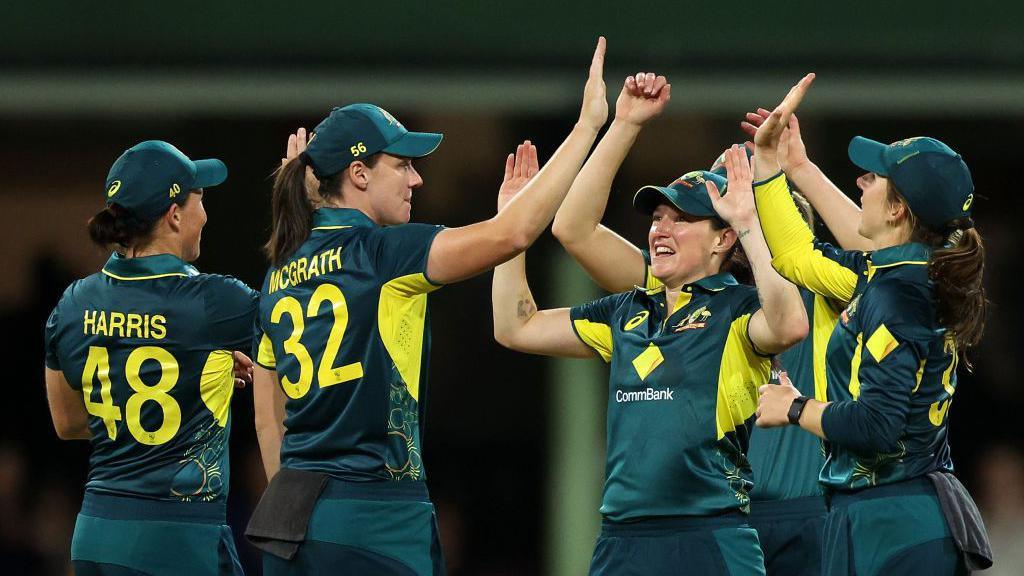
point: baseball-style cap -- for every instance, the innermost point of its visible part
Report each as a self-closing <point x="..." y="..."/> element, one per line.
<point x="931" y="176"/>
<point x="148" y="177"/>
<point x="688" y="193"/>
<point x="359" y="130"/>
<point x="719" y="166"/>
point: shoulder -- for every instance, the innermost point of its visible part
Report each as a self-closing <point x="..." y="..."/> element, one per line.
<point x="898" y="300"/>
<point x="740" y="297"/>
<point x="224" y="285"/>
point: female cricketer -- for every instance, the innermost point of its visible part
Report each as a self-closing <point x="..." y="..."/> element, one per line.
<point x="685" y="358"/>
<point x="787" y="501"/>
<point x="916" y="304"/>
<point x="139" y="361"/>
<point x="343" y="336"/>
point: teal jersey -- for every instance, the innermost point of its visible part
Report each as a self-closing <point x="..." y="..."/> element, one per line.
<point x="788" y="460"/>
<point x="682" y="393"/>
<point x="891" y="367"/>
<point x="892" y="375"/>
<point x="344" y="322"/>
<point x="149" y="343"/>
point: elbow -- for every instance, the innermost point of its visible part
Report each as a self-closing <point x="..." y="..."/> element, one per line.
<point x="518" y="242"/>
<point x="67" y="430"/>
<point x="504" y="337"/>
<point x="795" y="332"/>
<point x="563" y="231"/>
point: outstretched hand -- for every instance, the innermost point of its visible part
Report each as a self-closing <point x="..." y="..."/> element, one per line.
<point x="594" y="112"/>
<point x="769" y="133"/>
<point x="643" y="97"/>
<point x="737" y="205"/>
<point x="297" y="145"/>
<point x="792" y="152"/>
<point x="519" y="169"/>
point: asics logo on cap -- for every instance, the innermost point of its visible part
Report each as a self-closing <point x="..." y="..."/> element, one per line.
<point x="175" y="190"/>
<point x="114" y="187"/>
<point x="968" y="202"/>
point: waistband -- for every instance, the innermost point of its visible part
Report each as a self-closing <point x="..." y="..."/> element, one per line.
<point x="375" y="490"/>
<point x="914" y="486"/>
<point x="806" y="507"/>
<point x="671" y="524"/>
<point x="129" y="508"/>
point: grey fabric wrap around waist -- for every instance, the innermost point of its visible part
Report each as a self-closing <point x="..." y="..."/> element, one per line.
<point x="964" y="520"/>
<point x="279" y="523"/>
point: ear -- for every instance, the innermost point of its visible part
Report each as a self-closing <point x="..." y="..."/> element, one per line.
<point x="359" y="174"/>
<point x="898" y="211"/>
<point x="725" y="241"/>
<point x="173" y="218"/>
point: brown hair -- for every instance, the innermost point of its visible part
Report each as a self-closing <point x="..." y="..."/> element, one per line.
<point x="956" y="267"/>
<point x="118" y="226"/>
<point x="292" y="209"/>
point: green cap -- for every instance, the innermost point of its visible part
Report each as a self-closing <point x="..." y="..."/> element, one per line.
<point x="931" y="176"/>
<point x="359" y="130"/>
<point x="147" y="178"/>
<point x="688" y="193"/>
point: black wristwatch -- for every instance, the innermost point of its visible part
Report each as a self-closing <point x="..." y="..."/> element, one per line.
<point x="796" y="409"/>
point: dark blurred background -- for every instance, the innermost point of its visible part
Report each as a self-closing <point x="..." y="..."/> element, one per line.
<point x="514" y="444"/>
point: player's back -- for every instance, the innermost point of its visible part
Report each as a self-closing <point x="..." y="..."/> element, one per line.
<point x="345" y="325"/>
<point x="149" y="343"/>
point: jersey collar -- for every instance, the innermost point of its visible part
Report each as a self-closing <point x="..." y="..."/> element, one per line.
<point x="909" y="253"/>
<point x="147" y="267"/>
<point x="335" y="218"/>
<point x="713" y="283"/>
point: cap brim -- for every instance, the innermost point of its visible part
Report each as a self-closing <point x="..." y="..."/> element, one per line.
<point x="648" y="198"/>
<point x="209" y="173"/>
<point x="415" y="144"/>
<point x="868" y="154"/>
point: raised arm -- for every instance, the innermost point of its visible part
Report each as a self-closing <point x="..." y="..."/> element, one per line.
<point x="794" y="252"/>
<point x="517" y="322"/>
<point x="67" y="407"/>
<point x="782" y="319"/>
<point x="268" y="405"/>
<point x="459" y="253"/>
<point x="839" y="213"/>
<point x="611" y="260"/>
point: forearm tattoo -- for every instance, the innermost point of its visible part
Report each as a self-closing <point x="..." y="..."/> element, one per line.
<point x="742" y="233"/>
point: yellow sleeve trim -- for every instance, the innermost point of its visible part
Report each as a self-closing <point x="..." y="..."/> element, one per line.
<point x="401" y="319"/>
<point x="742" y="372"/>
<point x="881" y="343"/>
<point x="792" y="244"/>
<point x="217" y="384"/>
<point x="265" y="353"/>
<point x="597" y="336"/>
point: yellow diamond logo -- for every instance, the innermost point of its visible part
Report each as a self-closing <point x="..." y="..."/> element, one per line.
<point x="647" y="361"/>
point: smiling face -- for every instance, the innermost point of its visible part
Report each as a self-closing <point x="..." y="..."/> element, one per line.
<point x="389" y="186"/>
<point x="685" y="248"/>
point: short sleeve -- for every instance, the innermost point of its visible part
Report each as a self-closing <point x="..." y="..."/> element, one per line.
<point x="262" y="347"/>
<point x="50" y="339"/>
<point x="399" y="251"/>
<point x="592" y="323"/>
<point x="231" y="312"/>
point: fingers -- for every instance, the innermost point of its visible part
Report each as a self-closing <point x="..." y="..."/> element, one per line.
<point x="597" y="63"/>
<point x="510" y="162"/>
<point x="794" y="125"/>
<point x="713" y="194"/>
<point x="517" y="169"/>
<point x="749" y="128"/>
<point x="300" y="141"/>
<point x="796" y="95"/>
<point x="239" y="383"/>
<point x="533" y="163"/>
<point x="749" y="145"/>
<point x="659" y="84"/>
<point x="666" y="92"/>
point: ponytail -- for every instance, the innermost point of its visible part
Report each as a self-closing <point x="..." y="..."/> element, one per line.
<point x="116" y="226"/>
<point x="291" y="210"/>
<point x="956" y="267"/>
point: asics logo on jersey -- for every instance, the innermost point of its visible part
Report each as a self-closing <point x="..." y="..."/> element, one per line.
<point x="636" y="321"/>
<point x="645" y="395"/>
<point x="114" y="187"/>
